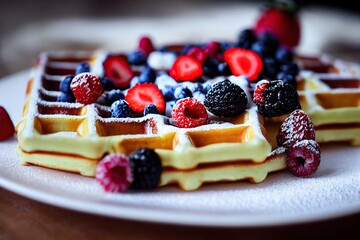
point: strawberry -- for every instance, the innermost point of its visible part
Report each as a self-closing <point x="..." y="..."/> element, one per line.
<point x="243" y="62"/>
<point x="118" y="70"/>
<point x="282" y="22"/>
<point x="87" y="88"/>
<point x="6" y="125"/>
<point x="186" y="68"/>
<point x="141" y="95"/>
<point x="146" y="45"/>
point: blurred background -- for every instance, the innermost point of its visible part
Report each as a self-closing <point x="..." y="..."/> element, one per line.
<point x="29" y="27"/>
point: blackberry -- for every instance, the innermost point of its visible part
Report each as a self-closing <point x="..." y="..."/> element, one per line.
<point x="278" y="98"/>
<point x="146" y="169"/>
<point x="225" y="99"/>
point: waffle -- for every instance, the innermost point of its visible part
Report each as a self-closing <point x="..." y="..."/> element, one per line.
<point x="75" y="137"/>
<point x="329" y="91"/>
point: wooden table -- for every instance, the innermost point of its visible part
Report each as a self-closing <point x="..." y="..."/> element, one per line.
<point x="22" y="218"/>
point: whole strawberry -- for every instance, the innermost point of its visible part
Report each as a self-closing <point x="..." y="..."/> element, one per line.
<point x="281" y="20"/>
<point x="6" y="125"/>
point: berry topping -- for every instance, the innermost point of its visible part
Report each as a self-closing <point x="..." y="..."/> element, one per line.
<point x="118" y="70"/>
<point x="182" y="92"/>
<point x="296" y="127"/>
<point x="212" y="48"/>
<point x="113" y="172"/>
<point x="276" y="99"/>
<point x="161" y="60"/>
<point x="65" y="84"/>
<point x="150" y="109"/>
<point x="66" y="97"/>
<point x="287" y="78"/>
<point x="148" y="75"/>
<point x="198" y="53"/>
<point x="87" y="88"/>
<point x="114" y="95"/>
<point x="168" y="93"/>
<point x="189" y="113"/>
<point x="246" y="39"/>
<point x="284" y="54"/>
<point x="304" y="158"/>
<point x="146" y="168"/>
<point x="120" y="109"/>
<point x="137" y="58"/>
<point x="211" y="68"/>
<point x="107" y="83"/>
<point x="82" y="67"/>
<point x="7" y="129"/>
<point x="226" y="99"/>
<point x="243" y="62"/>
<point x="144" y="94"/>
<point x="146" y="45"/>
<point x="186" y="68"/>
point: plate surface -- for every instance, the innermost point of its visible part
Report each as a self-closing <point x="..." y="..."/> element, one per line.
<point x="332" y="191"/>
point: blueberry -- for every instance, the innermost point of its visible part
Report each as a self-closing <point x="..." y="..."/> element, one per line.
<point x="107" y="83"/>
<point x="147" y="75"/>
<point x="120" y="109"/>
<point x="284" y="55"/>
<point x="210" y="68"/>
<point x="66" y="97"/>
<point x="287" y="78"/>
<point x="65" y="84"/>
<point x="113" y="96"/>
<point x="182" y="92"/>
<point x="168" y="93"/>
<point x="206" y="88"/>
<point x="82" y="67"/>
<point x="137" y="58"/>
<point x="226" y="45"/>
<point x="291" y="68"/>
<point x="270" y="67"/>
<point x="246" y="39"/>
<point x="198" y="87"/>
<point x="261" y="49"/>
<point x="186" y="48"/>
<point x="151" y="108"/>
<point x="270" y="41"/>
<point x="224" y="69"/>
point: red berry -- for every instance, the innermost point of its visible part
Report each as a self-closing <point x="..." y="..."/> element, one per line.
<point x="118" y="70"/>
<point x="7" y="129"/>
<point x="186" y="68"/>
<point x="296" y="127"/>
<point x="243" y="62"/>
<point x="212" y="48"/>
<point x="280" y="23"/>
<point x="198" y="53"/>
<point x="304" y="158"/>
<point x="146" y="45"/>
<point x="87" y="88"/>
<point x="189" y="113"/>
<point x="258" y="92"/>
<point x="113" y="172"/>
<point x="141" y="95"/>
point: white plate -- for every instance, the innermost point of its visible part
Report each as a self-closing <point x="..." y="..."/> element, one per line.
<point x="333" y="191"/>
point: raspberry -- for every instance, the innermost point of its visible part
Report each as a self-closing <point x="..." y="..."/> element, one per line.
<point x="296" y="127"/>
<point x="146" y="45"/>
<point x="146" y="168"/>
<point x="113" y="172"/>
<point x="226" y="99"/>
<point x="188" y="113"/>
<point x="198" y="53"/>
<point x="7" y="129"/>
<point x="86" y="87"/>
<point x="276" y="99"/>
<point x="304" y="158"/>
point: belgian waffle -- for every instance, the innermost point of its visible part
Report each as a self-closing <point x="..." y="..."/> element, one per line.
<point x="329" y="91"/>
<point x="74" y="137"/>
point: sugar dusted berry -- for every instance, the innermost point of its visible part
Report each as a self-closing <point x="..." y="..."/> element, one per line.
<point x="113" y="95"/>
<point x="276" y="99"/>
<point x="7" y="129"/>
<point x="114" y="174"/>
<point x="146" y="168"/>
<point x="189" y="113"/>
<point x="120" y="109"/>
<point x="147" y="75"/>
<point x="182" y="92"/>
<point x="296" y="127"/>
<point x="87" y="88"/>
<point x="304" y="158"/>
<point x="225" y="99"/>
<point x="150" y="109"/>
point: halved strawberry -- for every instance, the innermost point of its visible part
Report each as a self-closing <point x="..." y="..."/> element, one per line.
<point x="6" y="125"/>
<point x="141" y="95"/>
<point x="243" y="62"/>
<point x="146" y="45"/>
<point x="118" y="70"/>
<point x="186" y="68"/>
